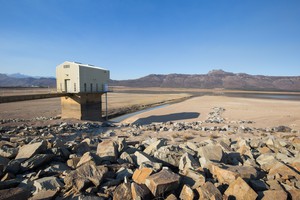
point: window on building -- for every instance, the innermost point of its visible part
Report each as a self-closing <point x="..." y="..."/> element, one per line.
<point x="74" y="87"/>
<point x="84" y="87"/>
<point x="97" y="87"/>
<point x="91" y="87"/>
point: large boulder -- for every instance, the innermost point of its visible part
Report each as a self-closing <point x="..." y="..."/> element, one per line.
<point x="139" y="176"/>
<point x="29" y="150"/>
<point x="187" y="161"/>
<point x="240" y="190"/>
<point x="108" y="150"/>
<point x="209" y="191"/>
<point x="48" y="183"/>
<point x="210" y="153"/>
<point x="123" y="192"/>
<point x="140" y="192"/>
<point x="163" y="181"/>
<point x="155" y="146"/>
<point x="85" y="174"/>
<point x="187" y="193"/>
<point x="170" y="155"/>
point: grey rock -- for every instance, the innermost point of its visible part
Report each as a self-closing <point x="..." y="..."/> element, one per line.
<point x="8" y="152"/>
<point x="187" y="161"/>
<point x="36" y="161"/>
<point x="47" y="183"/>
<point x="107" y="150"/>
<point x="155" y="146"/>
<point x="29" y="150"/>
<point x="162" y="182"/>
<point x="169" y="155"/>
<point x="82" y="176"/>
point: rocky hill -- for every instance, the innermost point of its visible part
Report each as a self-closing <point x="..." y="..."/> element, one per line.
<point x="215" y="79"/>
<point x="9" y="81"/>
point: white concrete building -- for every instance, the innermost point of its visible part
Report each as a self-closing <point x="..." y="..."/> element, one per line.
<point x="74" y="77"/>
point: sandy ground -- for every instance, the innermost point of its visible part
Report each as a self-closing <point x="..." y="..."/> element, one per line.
<point x="51" y="107"/>
<point x="264" y="112"/>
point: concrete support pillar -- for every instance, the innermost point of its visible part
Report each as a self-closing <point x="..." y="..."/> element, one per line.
<point x="85" y="106"/>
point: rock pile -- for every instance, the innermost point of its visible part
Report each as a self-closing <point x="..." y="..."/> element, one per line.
<point x="216" y="115"/>
<point x="56" y="164"/>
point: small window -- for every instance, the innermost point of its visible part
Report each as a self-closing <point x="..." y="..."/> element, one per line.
<point x="66" y="66"/>
<point x="84" y="87"/>
<point x="91" y="87"/>
<point x="74" y="87"/>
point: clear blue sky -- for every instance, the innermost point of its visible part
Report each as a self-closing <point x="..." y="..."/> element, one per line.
<point x="133" y="38"/>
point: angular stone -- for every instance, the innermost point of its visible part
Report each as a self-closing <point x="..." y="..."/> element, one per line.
<point x="187" y="193"/>
<point x="57" y="167"/>
<point x="36" y="161"/>
<point x="108" y="150"/>
<point x="192" y="178"/>
<point x="284" y="171"/>
<point x="240" y="190"/>
<point x="139" y="176"/>
<point x="29" y="150"/>
<point x="83" y="175"/>
<point x="274" y="185"/>
<point x="87" y="157"/>
<point x="123" y="192"/>
<point x="155" y="146"/>
<point x="169" y="155"/>
<point x="266" y="161"/>
<point x="210" y="153"/>
<point x="124" y="172"/>
<point x="209" y="191"/>
<point x="141" y="157"/>
<point x="171" y="197"/>
<point x="223" y="174"/>
<point x="163" y="181"/>
<point x="125" y="158"/>
<point x="73" y="162"/>
<point x="187" y="161"/>
<point x="274" y="194"/>
<point x="264" y="150"/>
<point x="48" y="183"/>
<point x="14" y="193"/>
<point x="8" y="152"/>
<point x="140" y="192"/>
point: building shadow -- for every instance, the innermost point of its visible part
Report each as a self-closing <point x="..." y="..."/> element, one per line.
<point x="166" y="118"/>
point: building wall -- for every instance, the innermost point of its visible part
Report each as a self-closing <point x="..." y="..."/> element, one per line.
<point x="92" y="79"/>
<point x="80" y="79"/>
<point x="67" y="77"/>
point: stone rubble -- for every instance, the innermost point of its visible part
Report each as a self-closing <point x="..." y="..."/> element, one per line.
<point x="89" y="161"/>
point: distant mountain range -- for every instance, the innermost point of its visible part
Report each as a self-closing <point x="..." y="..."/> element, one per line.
<point x="213" y="79"/>
<point x="21" y="80"/>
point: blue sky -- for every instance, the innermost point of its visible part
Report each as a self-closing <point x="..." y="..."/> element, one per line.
<point x="134" y="38"/>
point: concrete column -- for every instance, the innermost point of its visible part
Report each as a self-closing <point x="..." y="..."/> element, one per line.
<point x="83" y="106"/>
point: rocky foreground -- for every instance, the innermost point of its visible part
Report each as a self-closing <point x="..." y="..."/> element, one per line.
<point x="89" y="161"/>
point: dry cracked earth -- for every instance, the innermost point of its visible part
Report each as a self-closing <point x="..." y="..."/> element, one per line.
<point x="214" y="159"/>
